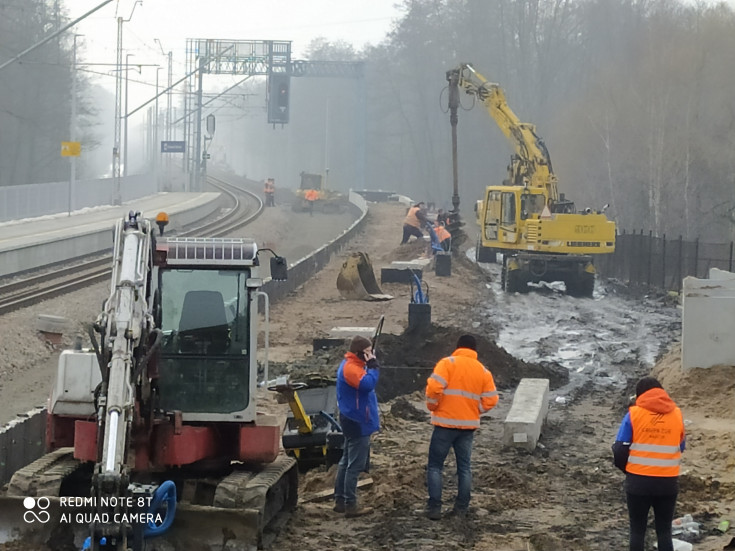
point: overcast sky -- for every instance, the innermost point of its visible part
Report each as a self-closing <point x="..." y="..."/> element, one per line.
<point x="173" y="21"/>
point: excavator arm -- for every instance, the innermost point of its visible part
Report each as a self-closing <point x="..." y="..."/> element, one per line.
<point x="125" y="325"/>
<point x="531" y="164"/>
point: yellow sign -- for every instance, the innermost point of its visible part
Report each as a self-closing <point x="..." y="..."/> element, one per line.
<point x="71" y="149"/>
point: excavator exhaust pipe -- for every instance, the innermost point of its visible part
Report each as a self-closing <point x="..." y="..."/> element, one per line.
<point x="356" y="280"/>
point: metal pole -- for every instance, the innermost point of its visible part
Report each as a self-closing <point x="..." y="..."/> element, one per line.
<point x="453" y="78"/>
<point x="156" y="146"/>
<point x="198" y="137"/>
<point x="73" y="122"/>
<point x="116" y="194"/>
<point x="125" y="145"/>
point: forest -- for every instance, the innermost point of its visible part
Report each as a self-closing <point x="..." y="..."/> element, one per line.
<point x="632" y="97"/>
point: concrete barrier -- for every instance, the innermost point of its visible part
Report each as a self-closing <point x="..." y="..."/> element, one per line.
<point x="97" y="234"/>
<point x="522" y="426"/>
<point x="708" y="320"/>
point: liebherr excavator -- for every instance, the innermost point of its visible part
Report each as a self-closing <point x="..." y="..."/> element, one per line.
<point x="158" y="424"/>
<point x="539" y="232"/>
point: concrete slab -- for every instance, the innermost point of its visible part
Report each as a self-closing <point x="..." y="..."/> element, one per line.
<point x="522" y="427"/>
<point x="349" y="332"/>
<point x="402" y="271"/>
<point x="708" y="320"/>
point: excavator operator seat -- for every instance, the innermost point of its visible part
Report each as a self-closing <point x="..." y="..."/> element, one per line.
<point x="203" y="325"/>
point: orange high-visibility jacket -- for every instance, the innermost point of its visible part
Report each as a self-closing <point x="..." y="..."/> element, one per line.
<point x="459" y="390"/>
<point x="658" y="431"/>
<point x="441" y="233"/>
<point x="411" y="218"/>
<point x="311" y="195"/>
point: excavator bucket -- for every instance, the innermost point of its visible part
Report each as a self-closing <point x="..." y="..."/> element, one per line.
<point x="356" y="280"/>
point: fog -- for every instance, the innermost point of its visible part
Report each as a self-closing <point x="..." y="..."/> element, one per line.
<point x="633" y="100"/>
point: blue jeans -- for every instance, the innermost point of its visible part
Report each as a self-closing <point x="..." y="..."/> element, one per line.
<point x="442" y="439"/>
<point x="353" y="462"/>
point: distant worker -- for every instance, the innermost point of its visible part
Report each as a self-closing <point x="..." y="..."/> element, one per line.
<point x="457" y="392"/>
<point x="269" y="189"/>
<point x="442" y="216"/>
<point x="357" y="377"/>
<point x="311" y="197"/>
<point x="443" y="235"/>
<point x="648" y="449"/>
<point x="161" y="221"/>
<point x="415" y="219"/>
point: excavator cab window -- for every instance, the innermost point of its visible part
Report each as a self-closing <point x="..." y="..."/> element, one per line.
<point x="508" y="209"/>
<point x="203" y="365"/>
<point x="531" y="203"/>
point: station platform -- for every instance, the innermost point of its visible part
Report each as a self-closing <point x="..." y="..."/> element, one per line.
<point x="34" y="242"/>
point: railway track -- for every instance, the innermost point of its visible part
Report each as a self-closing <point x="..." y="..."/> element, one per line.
<point x="243" y="206"/>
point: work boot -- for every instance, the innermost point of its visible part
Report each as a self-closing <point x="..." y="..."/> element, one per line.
<point x="352" y="510"/>
<point x="434" y="513"/>
<point x="339" y="506"/>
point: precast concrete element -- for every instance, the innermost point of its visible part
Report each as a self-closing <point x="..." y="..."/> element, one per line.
<point x="401" y="271"/>
<point x="523" y="424"/>
<point x="708" y="320"/>
<point x="349" y="332"/>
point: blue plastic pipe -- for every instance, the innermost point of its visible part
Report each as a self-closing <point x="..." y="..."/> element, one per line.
<point x="165" y="492"/>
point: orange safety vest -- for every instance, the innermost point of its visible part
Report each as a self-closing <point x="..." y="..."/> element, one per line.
<point x="657" y="436"/>
<point x="268" y="187"/>
<point x="441" y="233"/>
<point x="411" y="218"/>
<point x="311" y="195"/>
<point x="459" y="390"/>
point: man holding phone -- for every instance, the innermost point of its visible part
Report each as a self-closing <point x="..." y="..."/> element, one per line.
<point x="357" y="377"/>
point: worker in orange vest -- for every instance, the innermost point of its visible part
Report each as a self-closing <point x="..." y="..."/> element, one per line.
<point x="457" y="392"/>
<point x="269" y="189"/>
<point x="443" y="235"/>
<point x="648" y="449"/>
<point x="311" y="196"/>
<point x="415" y="219"/>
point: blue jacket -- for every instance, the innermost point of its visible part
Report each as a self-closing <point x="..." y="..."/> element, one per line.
<point x="356" y="392"/>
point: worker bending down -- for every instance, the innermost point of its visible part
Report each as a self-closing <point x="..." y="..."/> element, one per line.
<point x="415" y="219"/>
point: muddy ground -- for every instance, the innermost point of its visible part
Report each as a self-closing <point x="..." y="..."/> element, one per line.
<point x="566" y="495"/>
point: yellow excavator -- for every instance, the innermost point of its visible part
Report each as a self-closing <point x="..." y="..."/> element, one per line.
<point x="540" y="233"/>
<point x="327" y="201"/>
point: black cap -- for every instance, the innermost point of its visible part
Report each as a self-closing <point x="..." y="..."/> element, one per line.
<point x="467" y="341"/>
<point x="646" y="384"/>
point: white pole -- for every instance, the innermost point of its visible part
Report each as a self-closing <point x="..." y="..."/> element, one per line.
<point x="73" y="123"/>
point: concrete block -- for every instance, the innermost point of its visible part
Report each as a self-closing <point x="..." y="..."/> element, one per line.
<point x="419" y="315"/>
<point x="443" y="264"/>
<point x="522" y="427"/>
<point x="708" y="321"/>
<point x="324" y="343"/>
<point x="402" y="271"/>
<point x="349" y="332"/>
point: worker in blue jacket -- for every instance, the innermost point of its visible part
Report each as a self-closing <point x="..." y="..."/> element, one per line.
<point x="357" y="377"/>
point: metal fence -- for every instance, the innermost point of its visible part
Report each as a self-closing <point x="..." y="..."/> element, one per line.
<point x="644" y="259"/>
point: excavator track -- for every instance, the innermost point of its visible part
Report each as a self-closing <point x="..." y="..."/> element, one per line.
<point x="45" y="475"/>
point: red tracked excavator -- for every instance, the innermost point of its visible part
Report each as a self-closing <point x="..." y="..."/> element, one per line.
<point x="157" y="427"/>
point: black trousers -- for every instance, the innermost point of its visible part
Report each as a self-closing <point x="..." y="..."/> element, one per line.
<point x="663" y="512"/>
<point x="408" y="231"/>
